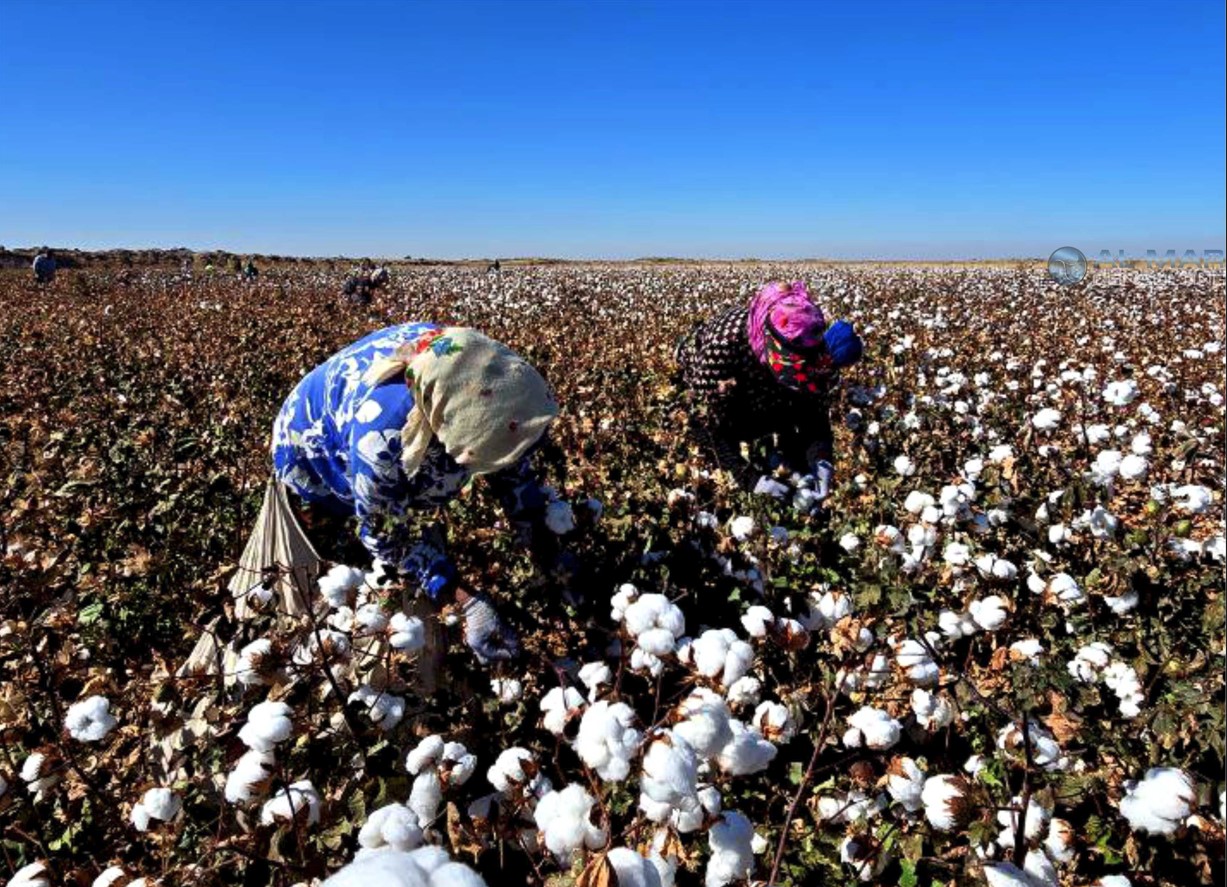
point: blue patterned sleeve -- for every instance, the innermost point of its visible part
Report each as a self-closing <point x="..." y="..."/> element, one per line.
<point x="382" y="495"/>
<point x="523" y="499"/>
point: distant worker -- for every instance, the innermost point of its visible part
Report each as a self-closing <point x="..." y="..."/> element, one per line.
<point x="44" y="267"/>
<point x="767" y="368"/>
<point x="360" y="286"/>
<point x="494" y="267"/>
<point x="250" y="271"/>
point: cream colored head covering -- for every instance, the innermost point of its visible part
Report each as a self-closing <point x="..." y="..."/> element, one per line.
<point x="484" y="402"/>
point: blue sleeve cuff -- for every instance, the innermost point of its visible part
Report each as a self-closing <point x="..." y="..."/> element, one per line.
<point x="441" y="579"/>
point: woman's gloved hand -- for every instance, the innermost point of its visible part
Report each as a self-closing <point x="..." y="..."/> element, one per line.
<point x="824" y="479"/>
<point x="486" y="634"/>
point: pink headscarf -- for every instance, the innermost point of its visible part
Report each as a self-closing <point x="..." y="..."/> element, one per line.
<point x="786" y="307"/>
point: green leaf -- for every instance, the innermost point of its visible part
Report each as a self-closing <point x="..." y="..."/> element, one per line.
<point x="90" y="613"/>
<point x="907" y="873"/>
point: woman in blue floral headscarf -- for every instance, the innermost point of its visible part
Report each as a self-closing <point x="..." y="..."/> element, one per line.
<point x="399" y="421"/>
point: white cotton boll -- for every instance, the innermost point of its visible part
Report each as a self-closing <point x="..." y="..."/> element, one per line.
<point x="1029" y="649"/>
<point x="956" y="554"/>
<point x="705" y="727"/>
<point x="384" y="709"/>
<point x="425" y="754"/>
<point x="956" y="625"/>
<point x="622" y="599"/>
<point x="425" y="796"/>
<point x="564" y="818"/>
<point x="1044" y="749"/>
<point x="657" y="641"/>
<point x="32" y="875"/>
<point x="642" y="660"/>
<point x="708" y="650"/>
<point x="1059" y="843"/>
<point x="1141" y="444"/>
<point x="989" y="613"/>
<point x="508" y="690"/>
<point x="747" y="752"/>
<point x="1113" y="881"/>
<point x="744" y="691"/>
<point x="607" y="739"/>
<point x="595" y="675"/>
<point x="1046" y="419"/>
<point x="670" y="770"/>
<point x="560" y="517"/>
<point x="775" y="722"/>
<point x="737" y="662"/>
<point x="558" y="706"/>
<point x="631" y="869"/>
<point x="825" y="610"/>
<point x="731" y="840"/>
<point x="998" y="569"/>
<point x="918" y="501"/>
<point x="250" y="777"/>
<point x="1160" y="802"/>
<point x="250" y="664"/>
<point x="1090" y="661"/>
<point x="1122" y="393"/>
<point x="298" y="801"/>
<point x="268" y="723"/>
<point x="1122" y="604"/>
<point x="111" y="876"/>
<point x="338" y="585"/>
<point x="931" y="710"/>
<point x="407" y="633"/>
<point x="516" y="770"/>
<point x="1124" y="682"/>
<point x="393" y="825"/>
<point x="742" y="527"/>
<point x="1059" y="534"/>
<point x="849" y="542"/>
<point x="890" y="538"/>
<point x="457" y="765"/>
<point x="424" y="867"/>
<point x="1134" y="467"/>
<point x="913" y="657"/>
<point x="758" y="621"/>
<point x="856" y="806"/>
<point x="904" y="467"/>
<point x="905" y="782"/>
<point x="1192" y="498"/>
<point x="972" y="469"/>
<point x="1035" y="822"/>
<point x="90" y="720"/>
<point x="1006" y="874"/>
<point x="1066" y="591"/>
<point x="872" y="728"/>
<point x="946" y="801"/>
<point x="654" y="611"/>
<point x="865" y="855"/>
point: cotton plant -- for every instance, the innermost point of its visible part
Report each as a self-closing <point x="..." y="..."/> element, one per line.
<point x="436" y="765"/>
<point x="90" y="720"/>
<point x="564" y="818"/>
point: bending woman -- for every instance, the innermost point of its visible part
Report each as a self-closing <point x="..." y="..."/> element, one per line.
<point x="767" y="368"/>
<point x="398" y="422"/>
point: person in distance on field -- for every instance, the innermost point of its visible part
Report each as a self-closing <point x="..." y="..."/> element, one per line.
<point x="767" y="368"/>
<point x="44" y="267"/>
<point x="398" y="422"/>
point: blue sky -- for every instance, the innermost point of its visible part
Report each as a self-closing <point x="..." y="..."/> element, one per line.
<point x="614" y="129"/>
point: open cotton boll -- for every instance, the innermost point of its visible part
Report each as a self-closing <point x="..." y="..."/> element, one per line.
<point x="515" y="771"/>
<point x="339" y="584"/>
<point x="425" y="796"/>
<point x="948" y="802"/>
<point x="1123" y="681"/>
<point x="157" y="803"/>
<point x="564" y="818"/>
<point x="775" y="722"/>
<point x="642" y="660"/>
<point x="607" y="739"/>
<point x="631" y="869"/>
<point x="657" y="641"/>
<point x="250" y="777"/>
<point x="825" y="610"/>
<point x="872" y="728"/>
<point x="595" y="675"/>
<point x="110" y="877"/>
<point x="425" y="754"/>
<point x="904" y="467"/>
<point x="32" y="875"/>
<point x="758" y="621"/>
<point x="1160" y="802"/>
<point x="865" y="855"/>
<point x="956" y="555"/>
<point x="747" y="752"/>
<point x="457" y="765"/>
<point x="1065" y="590"/>
<point x="1006" y="874"/>
<point x="670" y="770"/>
<point x="1059" y="843"/>
<point x="1045" y="751"/>
<point x="393" y="825"/>
<point x="622" y="599"/>
<point x="1090" y="661"/>
<point x="559" y="705"/>
<point x="905" y="782"/>
<point x="1113" y="881"/>
<point x="651" y="611"/>
<point x="384" y="709"/>
<point x="742" y="527"/>
<point x="90" y="719"/>
<point x="855" y="806"/>
<point x="932" y="711"/>
<point x="1046" y="419"/>
<point x="956" y="625"/>
<point x="705" y="727"/>
<point x="1029" y="649"/>
<point x="913" y="657"/>
<point x="1192" y="498"/>
<point x="731" y="840"/>
<point x="995" y="568"/>
<point x="507" y="690"/>
<point x="424" y="867"/>
<point x="268" y="723"/>
<point x="849" y="542"/>
<point x="1035" y="822"/>
<point x="406" y="633"/>
<point x="744" y="691"/>
<point x="990" y="613"/>
<point x="297" y="802"/>
<point x="252" y="659"/>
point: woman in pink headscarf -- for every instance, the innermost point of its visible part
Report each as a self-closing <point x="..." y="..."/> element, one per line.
<point x="766" y="368"/>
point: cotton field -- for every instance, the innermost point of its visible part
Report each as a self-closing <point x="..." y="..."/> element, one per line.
<point x="995" y="656"/>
